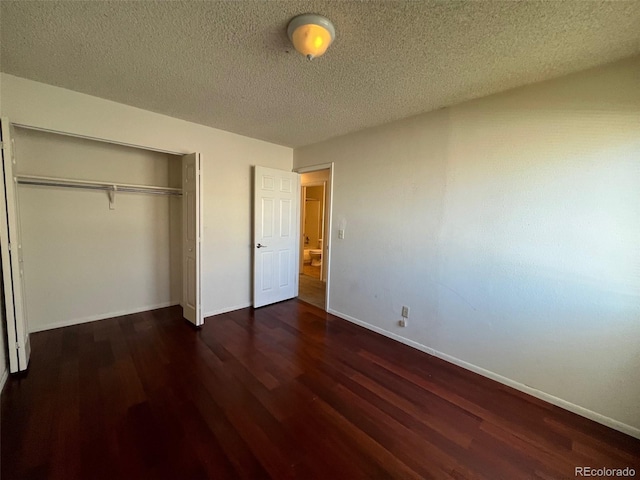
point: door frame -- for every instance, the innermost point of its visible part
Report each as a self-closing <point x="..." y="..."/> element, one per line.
<point x="18" y="340"/>
<point x="327" y="244"/>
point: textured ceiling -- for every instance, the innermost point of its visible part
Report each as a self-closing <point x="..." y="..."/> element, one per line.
<point x="229" y="64"/>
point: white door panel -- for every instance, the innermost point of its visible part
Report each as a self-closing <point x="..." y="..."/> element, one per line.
<point x="191" y="220"/>
<point x="275" y="276"/>
<point x="18" y="342"/>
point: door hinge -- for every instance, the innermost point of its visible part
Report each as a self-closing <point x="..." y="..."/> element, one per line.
<point x="1" y="145"/>
<point x="17" y="346"/>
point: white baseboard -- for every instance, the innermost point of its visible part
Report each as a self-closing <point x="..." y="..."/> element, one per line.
<point x="227" y="309"/>
<point x="4" y="378"/>
<point x="102" y="316"/>
<point x="559" y="402"/>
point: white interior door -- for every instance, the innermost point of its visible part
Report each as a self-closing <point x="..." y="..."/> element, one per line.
<point x="11" y="248"/>
<point x="191" y="237"/>
<point x="276" y="233"/>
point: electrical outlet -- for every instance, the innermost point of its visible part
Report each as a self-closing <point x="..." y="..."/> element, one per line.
<point x="403" y="322"/>
<point x="341" y="234"/>
<point x="405" y="311"/>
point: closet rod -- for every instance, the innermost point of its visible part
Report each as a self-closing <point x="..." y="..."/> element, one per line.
<point x="92" y="185"/>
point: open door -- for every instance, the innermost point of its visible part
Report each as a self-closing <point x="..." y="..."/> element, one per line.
<point x="18" y="343"/>
<point x="191" y="231"/>
<point x="275" y="233"/>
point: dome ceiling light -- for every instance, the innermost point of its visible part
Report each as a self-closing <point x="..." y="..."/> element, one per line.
<point x="311" y="34"/>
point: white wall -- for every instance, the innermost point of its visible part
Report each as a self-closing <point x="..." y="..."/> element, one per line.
<point x="511" y="227"/>
<point x="227" y="160"/>
<point x="83" y="261"/>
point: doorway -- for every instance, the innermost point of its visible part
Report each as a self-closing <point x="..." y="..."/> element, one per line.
<point x="312" y="229"/>
<point x="315" y="216"/>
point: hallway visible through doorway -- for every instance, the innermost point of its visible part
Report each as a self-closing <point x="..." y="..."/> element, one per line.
<point x="313" y="228"/>
<point x="312" y="290"/>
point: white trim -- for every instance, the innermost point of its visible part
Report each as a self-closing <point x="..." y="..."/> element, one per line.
<point x="298" y="228"/>
<point x="327" y="240"/>
<point x="10" y="238"/>
<point x="4" y="378"/>
<point x="96" y="139"/>
<point x="227" y="309"/>
<point x="559" y="402"/>
<point x="102" y="316"/>
<point x="314" y="168"/>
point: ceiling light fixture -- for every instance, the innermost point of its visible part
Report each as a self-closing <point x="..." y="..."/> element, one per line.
<point x="311" y="34"/>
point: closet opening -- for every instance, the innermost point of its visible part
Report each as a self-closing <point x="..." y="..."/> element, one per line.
<point x="102" y="228"/>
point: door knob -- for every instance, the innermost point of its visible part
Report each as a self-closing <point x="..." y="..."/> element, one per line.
<point x="261" y="246"/>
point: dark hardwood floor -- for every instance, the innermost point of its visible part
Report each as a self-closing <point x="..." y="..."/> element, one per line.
<point x="285" y="391"/>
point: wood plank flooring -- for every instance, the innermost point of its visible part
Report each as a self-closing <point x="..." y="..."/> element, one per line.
<point x="285" y="391"/>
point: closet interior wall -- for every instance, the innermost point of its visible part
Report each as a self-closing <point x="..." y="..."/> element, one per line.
<point x="83" y="261"/>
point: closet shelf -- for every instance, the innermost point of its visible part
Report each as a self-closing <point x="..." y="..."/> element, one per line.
<point x="93" y="185"/>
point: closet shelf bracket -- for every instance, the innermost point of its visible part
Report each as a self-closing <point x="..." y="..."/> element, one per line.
<point x="112" y="197"/>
